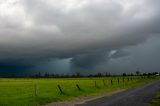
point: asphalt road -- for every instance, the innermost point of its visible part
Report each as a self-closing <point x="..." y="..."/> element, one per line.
<point x="140" y="96"/>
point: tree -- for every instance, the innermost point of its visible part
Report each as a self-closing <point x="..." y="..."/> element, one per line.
<point x="124" y="74"/>
<point x="137" y="73"/>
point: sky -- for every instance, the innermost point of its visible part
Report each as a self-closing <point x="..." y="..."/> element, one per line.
<point x="86" y="36"/>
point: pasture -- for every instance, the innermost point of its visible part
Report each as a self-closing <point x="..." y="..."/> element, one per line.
<point x="33" y="92"/>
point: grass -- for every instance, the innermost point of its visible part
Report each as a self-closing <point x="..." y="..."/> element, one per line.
<point x="156" y="100"/>
<point x="21" y="92"/>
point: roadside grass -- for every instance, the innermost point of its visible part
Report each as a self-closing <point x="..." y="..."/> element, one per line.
<point x="21" y="91"/>
<point x="156" y="100"/>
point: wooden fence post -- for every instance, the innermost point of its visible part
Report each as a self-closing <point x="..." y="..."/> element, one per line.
<point x="111" y="82"/>
<point x="95" y="84"/>
<point x="78" y="87"/>
<point x="118" y="80"/>
<point x="104" y="83"/>
<point x="59" y="87"/>
<point x="35" y="89"/>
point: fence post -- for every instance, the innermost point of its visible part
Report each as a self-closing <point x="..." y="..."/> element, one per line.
<point x="111" y="82"/>
<point x="118" y="80"/>
<point x="95" y="84"/>
<point x="59" y="87"/>
<point x="78" y="87"/>
<point x="104" y="83"/>
<point x="35" y="89"/>
<point x="123" y="79"/>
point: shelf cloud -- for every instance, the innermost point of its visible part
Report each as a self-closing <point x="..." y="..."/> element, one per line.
<point x="88" y="33"/>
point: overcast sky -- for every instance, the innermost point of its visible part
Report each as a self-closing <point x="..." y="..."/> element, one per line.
<point x="88" y="36"/>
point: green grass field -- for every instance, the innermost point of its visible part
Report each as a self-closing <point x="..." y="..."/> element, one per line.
<point x="21" y="92"/>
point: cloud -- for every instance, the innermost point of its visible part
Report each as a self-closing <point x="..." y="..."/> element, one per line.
<point x="36" y="31"/>
<point x="143" y="57"/>
<point x="88" y="61"/>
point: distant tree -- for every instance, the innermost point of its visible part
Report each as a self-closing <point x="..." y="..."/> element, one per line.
<point x="137" y="73"/>
<point x="98" y="75"/>
<point x="62" y="76"/>
<point x="52" y="75"/>
<point x="78" y="74"/>
<point x="132" y="74"/>
<point x="39" y="74"/>
<point x="107" y="74"/>
<point x="73" y="76"/>
<point x="154" y="73"/>
<point x="124" y="74"/>
<point x="149" y="74"/>
<point x="46" y="75"/>
<point x="90" y="75"/>
<point x="57" y="76"/>
<point x="144" y="74"/>
<point x="67" y="76"/>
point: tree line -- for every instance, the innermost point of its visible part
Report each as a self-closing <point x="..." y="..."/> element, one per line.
<point x="79" y="75"/>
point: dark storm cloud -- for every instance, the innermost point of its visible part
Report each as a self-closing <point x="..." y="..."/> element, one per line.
<point x="88" y="61"/>
<point x="143" y="57"/>
<point x="87" y="31"/>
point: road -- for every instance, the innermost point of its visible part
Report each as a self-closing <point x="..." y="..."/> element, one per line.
<point x="140" y="96"/>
